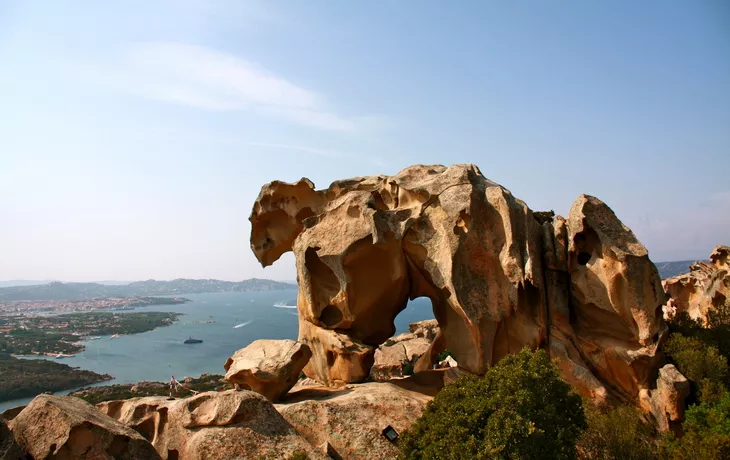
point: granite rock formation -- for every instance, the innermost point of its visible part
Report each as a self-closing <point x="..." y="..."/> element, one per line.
<point x="213" y="425"/>
<point x="404" y="350"/>
<point x="351" y="420"/>
<point x="666" y="403"/>
<point x="705" y="288"/>
<point x="9" y="448"/>
<point x="64" y="427"/>
<point x="499" y="276"/>
<point x="269" y="367"/>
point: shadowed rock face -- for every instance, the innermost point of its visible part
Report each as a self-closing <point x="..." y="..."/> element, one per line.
<point x="704" y="288"/>
<point x="499" y="280"/>
<point x="67" y="428"/>
<point x="212" y="425"/>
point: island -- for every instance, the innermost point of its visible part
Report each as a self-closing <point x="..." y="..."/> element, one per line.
<point x="77" y="305"/>
<point x="64" y="334"/>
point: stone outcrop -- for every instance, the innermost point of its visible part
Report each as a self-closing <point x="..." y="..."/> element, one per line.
<point x="213" y="425"/>
<point x="705" y="288"/>
<point x="269" y="367"/>
<point x="351" y="420"/>
<point x="63" y="427"/>
<point x="499" y="278"/>
<point x="9" y="448"/>
<point x="667" y="402"/>
<point x="403" y="351"/>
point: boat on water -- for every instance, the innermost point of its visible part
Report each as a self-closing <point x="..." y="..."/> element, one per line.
<point x="192" y="340"/>
<point x="115" y="336"/>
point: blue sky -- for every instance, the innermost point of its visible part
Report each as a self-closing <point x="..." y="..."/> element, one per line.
<point x="134" y="136"/>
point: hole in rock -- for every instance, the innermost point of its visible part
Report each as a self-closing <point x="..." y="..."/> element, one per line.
<point x="583" y="258"/>
<point x="331" y="316"/>
<point x="330" y="358"/>
<point x="172" y="454"/>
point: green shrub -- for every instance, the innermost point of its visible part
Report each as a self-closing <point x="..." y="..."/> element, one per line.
<point x="521" y="409"/>
<point x="443" y="355"/>
<point x="701" y="363"/>
<point x="299" y="455"/>
<point x="706" y="433"/>
<point x="619" y="434"/>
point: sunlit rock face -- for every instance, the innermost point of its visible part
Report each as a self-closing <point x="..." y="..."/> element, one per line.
<point x="499" y="279"/>
<point x="702" y="290"/>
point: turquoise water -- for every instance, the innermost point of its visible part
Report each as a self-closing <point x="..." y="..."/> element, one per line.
<point x="159" y="354"/>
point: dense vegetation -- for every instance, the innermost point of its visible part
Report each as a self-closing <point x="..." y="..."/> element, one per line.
<point x="94" y="395"/>
<point x="521" y="408"/>
<point x="29" y="377"/>
<point x="60" y="333"/>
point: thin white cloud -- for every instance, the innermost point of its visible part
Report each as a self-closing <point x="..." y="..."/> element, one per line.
<point x="320" y="152"/>
<point x="207" y="79"/>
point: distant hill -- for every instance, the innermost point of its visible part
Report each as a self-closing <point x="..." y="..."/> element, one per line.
<point x="67" y="291"/>
<point x="674" y="268"/>
<point x="22" y="283"/>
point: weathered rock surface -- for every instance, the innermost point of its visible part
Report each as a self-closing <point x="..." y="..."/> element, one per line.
<point x="667" y="402"/>
<point x="705" y="288"/>
<point x="405" y="350"/>
<point x="396" y="354"/>
<point x="269" y="367"/>
<point x="499" y="278"/>
<point x="63" y="427"/>
<point x="213" y="425"/>
<point x="9" y="448"/>
<point x="351" y="419"/>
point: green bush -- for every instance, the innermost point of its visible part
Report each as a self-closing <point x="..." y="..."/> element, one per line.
<point x="443" y="355"/>
<point x="619" y="434"/>
<point x="701" y="363"/>
<point x="521" y="409"/>
<point x="706" y="433"/>
<point x="717" y="334"/>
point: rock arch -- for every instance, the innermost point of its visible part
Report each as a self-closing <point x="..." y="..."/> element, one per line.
<point x="583" y="287"/>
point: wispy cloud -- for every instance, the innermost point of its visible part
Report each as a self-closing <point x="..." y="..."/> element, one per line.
<point x="207" y="79"/>
<point x="321" y="152"/>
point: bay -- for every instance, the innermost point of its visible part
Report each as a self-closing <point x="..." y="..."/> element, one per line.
<point x="159" y="354"/>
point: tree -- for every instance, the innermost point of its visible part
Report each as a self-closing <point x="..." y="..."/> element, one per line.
<point x="618" y="434"/>
<point x="701" y="363"/>
<point x="706" y="433"/>
<point x="520" y="409"/>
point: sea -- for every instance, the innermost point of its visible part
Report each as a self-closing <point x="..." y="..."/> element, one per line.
<point x="225" y="322"/>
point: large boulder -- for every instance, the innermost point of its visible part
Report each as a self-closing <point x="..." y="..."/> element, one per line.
<point x="667" y="402"/>
<point x="9" y="447"/>
<point x="396" y="355"/>
<point x="702" y="290"/>
<point x="499" y="277"/>
<point x="66" y="428"/>
<point x="212" y="425"/>
<point x="269" y="367"/>
<point x="351" y="420"/>
<point x="399" y="355"/>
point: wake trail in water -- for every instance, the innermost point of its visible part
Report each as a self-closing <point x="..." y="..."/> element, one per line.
<point x="284" y="305"/>
<point x="243" y="324"/>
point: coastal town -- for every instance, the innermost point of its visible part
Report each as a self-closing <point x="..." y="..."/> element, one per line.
<point x="80" y="305"/>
